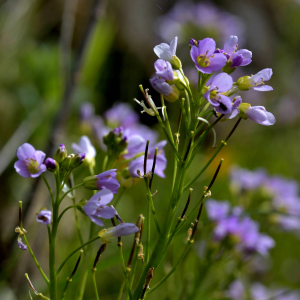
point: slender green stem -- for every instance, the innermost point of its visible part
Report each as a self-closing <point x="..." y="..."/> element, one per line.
<point x="186" y="121"/>
<point x="173" y="269"/>
<point x="169" y="138"/>
<point x="121" y="290"/>
<point x="65" y="290"/>
<point x="77" y="222"/>
<point x="70" y="190"/>
<point x="95" y="285"/>
<point x="150" y="199"/>
<point x="73" y="252"/>
<point x="34" y="290"/>
<point x="124" y="161"/>
<point x="164" y="108"/>
<point x="35" y="260"/>
<point x="49" y="188"/>
<point x="147" y="250"/>
<point x="124" y="271"/>
<point x="64" y="211"/>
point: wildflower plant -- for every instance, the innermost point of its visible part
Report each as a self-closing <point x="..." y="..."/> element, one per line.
<point x="133" y="152"/>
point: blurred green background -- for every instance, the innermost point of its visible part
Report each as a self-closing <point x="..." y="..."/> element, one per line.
<point x="110" y="44"/>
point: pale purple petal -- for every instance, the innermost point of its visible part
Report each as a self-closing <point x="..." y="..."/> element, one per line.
<point x="136" y="144"/>
<point x="206" y="46"/>
<point x="39" y="156"/>
<point x="96" y="220"/>
<point x="121" y="230"/>
<point x="231" y="44"/>
<point x="194" y="54"/>
<point x="225" y="106"/>
<point x="164" y="69"/>
<point x="173" y="46"/>
<point x="216" y="63"/>
<point x="106" y="212"/>
<point x="262" y="88"/>
<point x="217" y="210"/>
<point x="247" y="56"/>
<point x="111" y="172"/>
<point x="21" y="245"/>
<point x="22" y="169"/>
<point x="259" y="115"/>
<point x="25" y="151"/>
<point x="44" y="217"/>
<point x="263" y="75"/>
<point x="161" y="86"/>
<point x="223" y="82"/>
<point x="110" y="184"/>
<point x="237" y="61"/>
<point x="103" y="197"/>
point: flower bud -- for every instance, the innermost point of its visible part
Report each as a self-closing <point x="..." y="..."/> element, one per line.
<point x="44" y="217"/>
<point x="116" y="231"/>
<point x="90" y="183"/>
<point x="174" y="95"/>
<point x="244" y="83"/>
<point x="176" y="63"/>
<point x="61" y="153"/>
<point x="65" y="164"/>
<point x="243" y="108"/>
<point x="51" y="164"/>
<point x="77" y="160"/>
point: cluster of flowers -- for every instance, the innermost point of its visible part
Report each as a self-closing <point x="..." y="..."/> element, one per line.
<point x="283" y="192"/>
<point x="31" y="164"/>
<point x="216" y="64"/>
<point x="185" y="18"/>
<point x="124" y="121"/>
<point x="258" y="291"/>
<point x="233" y="226"/>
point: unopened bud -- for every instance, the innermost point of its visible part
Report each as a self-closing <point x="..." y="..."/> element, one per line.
<point x="51" y="164"/>
<point x="61" y="153"/>
<point x="65" y="164"/>
<point x="244" y="83"/>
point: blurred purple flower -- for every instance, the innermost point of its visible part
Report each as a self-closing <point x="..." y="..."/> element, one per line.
<point x="184" y="17"/>
<point x="97" y="207"/>
<point x="107" y="180"/>
<point x="86" y="112"/>
<point x="121" y="114"/>
<point x="44" y="217"/>
<point x="217" y="210"/>
<point x="21" y="245"/>
<point x="116" y="231"/>
<point x="206" y="61"/>
<point x="161" y="161"/>
<point x="244" y="179"/>
<point x="30" y="163"/>
<point x="217" y="85"/>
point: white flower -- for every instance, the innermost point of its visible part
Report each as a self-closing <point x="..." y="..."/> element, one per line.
<point x="85" y="146"/>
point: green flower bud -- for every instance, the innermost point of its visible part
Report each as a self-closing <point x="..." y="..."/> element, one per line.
<point x="244" y="83"/>
<point x="77" y="160"/>
<point x="61" y="153"/>
<point x="90" y="183"/>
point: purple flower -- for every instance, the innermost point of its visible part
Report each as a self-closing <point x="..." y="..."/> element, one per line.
<point x="217" y="210"/>
<point x="241" y="230"/>
<point x="136" y="144"/>
<point x="85" y="146"/>
<point x="256" y="82"/>
<point x="247" y="180"/>
<point x="161" y="161"/>
<point x="236" y="290"/>
<point x="217" y="85"/>
<point x="237" y="101"/>
<point x="30" y="163"/>
<point x="164" y="69"/>
<point x="106" y="180"/>
<point x="51" y="164"/>
<point x="21" y="245"/>
<point x="206" y="61"/>
<point x="121" y="114"/>
<point x="238" y="58"/>
<point x="282" y="187"/>
<point x="257" y="114"/>
<point x="116" y="231"/>
<point x="97" y="207"/>
<point x="170" y="92"/>
<point x="44" y="217"/>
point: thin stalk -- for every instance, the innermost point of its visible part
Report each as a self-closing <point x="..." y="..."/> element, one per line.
<point x="70" y="190"/>
<point x="148" y="232"/>
<point x="73" y="252"/>
<point x="121" y="290"/>
<point x="35" y="260"/>
<point x="64" y="211"/>
<point x="124" y="271"/>
<point x="151" y="205"/>
<point x="166" y="117"/>
<point x="173" y="269"/>
<point x="34" y="290"/>
<point x="95" y="285"/>
<point x="49" y="188"/>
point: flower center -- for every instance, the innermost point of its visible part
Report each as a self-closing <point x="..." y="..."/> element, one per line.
<point x="32" y="164"/>
<point x="203" y="61"/>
